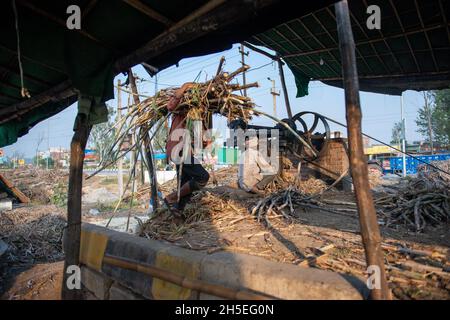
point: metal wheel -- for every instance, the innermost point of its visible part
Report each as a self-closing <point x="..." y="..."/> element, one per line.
<point x="315" y="139"/>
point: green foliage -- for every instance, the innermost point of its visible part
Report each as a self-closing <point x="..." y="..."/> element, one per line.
<point x="102" y="137"/>
<point x="439" y="112"/>
<point x="59" y="196"/>
<point x="42" y="162"/>
<point x="441" y="124"/>
<point x="396" y="133"/>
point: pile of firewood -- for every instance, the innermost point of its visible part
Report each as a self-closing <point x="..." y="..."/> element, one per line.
<point x="418" y="203"/>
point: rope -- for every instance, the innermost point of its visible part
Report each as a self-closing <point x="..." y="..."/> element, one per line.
<point x="24" y="91"/>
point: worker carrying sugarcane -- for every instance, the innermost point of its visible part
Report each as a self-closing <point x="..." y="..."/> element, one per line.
<point x="191" y="176"/>
<point x="254" y="171"/>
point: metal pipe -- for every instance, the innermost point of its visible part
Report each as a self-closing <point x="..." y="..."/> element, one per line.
<point x="403" y="136"/>
<point x="182" y="281"/>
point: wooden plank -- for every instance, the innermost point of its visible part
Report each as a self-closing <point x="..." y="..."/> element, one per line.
<point x="22" y="198"/>
<point x="370" y="230"/>
<point x="73" y="230"/>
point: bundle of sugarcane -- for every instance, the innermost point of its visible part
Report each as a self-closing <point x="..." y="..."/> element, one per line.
<point x="216" y="96"/>
<point x="416" y="204"/>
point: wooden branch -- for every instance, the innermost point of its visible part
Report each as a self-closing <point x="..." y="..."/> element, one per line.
<point x="22" y="198"/>
<point x="73" y="232"/>
<point x="370" y="231"/>
<point x="138" y="5"/>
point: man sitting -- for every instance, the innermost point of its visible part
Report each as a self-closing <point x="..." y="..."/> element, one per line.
<point x="254" y="172"/>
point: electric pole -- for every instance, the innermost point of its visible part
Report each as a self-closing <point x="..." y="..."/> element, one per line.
<point x="274" y="95"/>
<point x="118" y="119"/>
<point x="428" y="112"/>
<point x="243" y="54"/>
<point x="403" y="136"/>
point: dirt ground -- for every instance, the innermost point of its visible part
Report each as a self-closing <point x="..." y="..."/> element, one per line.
<point x="417" y="263"/>
<point x="40" y="282"/>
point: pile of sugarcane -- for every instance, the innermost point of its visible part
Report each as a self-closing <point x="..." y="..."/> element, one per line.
<point x="216" y="96"/>
<point x="283" y="204"/>
<point x="419" y="203"/>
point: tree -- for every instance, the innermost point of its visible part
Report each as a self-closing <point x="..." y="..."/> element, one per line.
<point x="396" y="137"/>
<point x="434" y="117"/>
<point x="39" y="140"/>
<point x="102" y="137"/>
<point x="441" y="124"/>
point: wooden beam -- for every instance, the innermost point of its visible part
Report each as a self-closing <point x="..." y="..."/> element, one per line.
<point x="256" y="49"/>
<point x="394" y="75"/>
<point x="177" y="35"/>
<point x="62" y="91"/>
<point x="138" y="5"/>
<point x="86" y="10"/>
<point x="72" y="235"/>
<point x="16" y="72"/>
<point x="370" y="231"/>
<point x="14" y="52"/>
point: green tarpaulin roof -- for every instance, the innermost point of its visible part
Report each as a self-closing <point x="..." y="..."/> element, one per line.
<point x="409" y="52"/>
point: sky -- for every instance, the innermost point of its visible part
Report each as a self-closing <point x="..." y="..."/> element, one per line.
<point x="380" y="112"/>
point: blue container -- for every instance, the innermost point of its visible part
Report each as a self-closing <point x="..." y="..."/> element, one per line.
<point x="412" y="164"/>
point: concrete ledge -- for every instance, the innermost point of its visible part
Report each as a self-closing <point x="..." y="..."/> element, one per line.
<point x="97" y="283"/>
<point x="118" y="292"/>
<point x="238" y="271"/>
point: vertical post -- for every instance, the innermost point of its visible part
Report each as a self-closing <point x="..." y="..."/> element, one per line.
<point x="73" y="231"/>
<point x="147" y="145"/>
<point x="48" y="141"/>
<point x="118" y="118"/>
<point x="285" y="92"/>
<point x="370" y="231"/>
<point x="243" y="54"/>
<point x="430" y="130"/>
<point x="403" y="136"/>
<point x="274" y="95"/>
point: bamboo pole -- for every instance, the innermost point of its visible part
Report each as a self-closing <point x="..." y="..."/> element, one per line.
<point x="147" y="145"/>
<point x="285" y="92"/>
<point x="193" y="284"/>
<point x="118" y="120"/>
<point x="73" y="231"/>
<point x="370" y="231"/>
